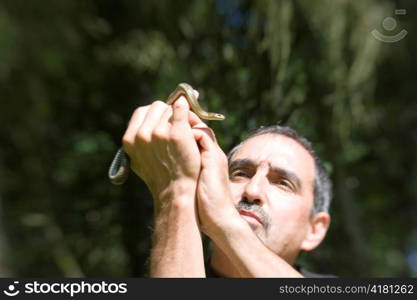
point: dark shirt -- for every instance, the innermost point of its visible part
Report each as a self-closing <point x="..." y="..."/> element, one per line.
<point x="210" y="273"/>
<point x="309" y="274"/>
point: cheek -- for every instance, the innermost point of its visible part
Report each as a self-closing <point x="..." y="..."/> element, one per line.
<point x="288" y="210"/>
<point x="288" y="224"/>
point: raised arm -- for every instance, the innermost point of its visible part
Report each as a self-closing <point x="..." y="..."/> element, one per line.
<point x="163" y="152"/>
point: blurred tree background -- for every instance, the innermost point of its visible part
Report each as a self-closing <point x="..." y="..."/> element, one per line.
<point x="72" y="72"/>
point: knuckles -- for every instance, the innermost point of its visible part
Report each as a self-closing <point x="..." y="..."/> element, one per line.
<point x="159" y="134"/>
<point x="158" y="103"/>
<point x="143" y="137"/>
<point x="127" y="142"/>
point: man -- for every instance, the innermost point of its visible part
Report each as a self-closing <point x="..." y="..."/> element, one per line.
<point x="260" y="209"/>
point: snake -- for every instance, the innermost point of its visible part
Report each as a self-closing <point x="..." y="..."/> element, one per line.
<point x="120" y="166"/>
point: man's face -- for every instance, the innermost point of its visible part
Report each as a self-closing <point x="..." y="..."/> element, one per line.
<point x="272" y="180"/>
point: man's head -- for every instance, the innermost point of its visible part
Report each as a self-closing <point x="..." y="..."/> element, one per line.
<point x="281" y="188"/>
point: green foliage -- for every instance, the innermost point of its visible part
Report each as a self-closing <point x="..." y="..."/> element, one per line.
<point x="72" y="72"/>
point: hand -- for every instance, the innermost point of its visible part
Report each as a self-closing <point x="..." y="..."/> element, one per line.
<point x="214" y="199"/>
<point x="162" y="149"/>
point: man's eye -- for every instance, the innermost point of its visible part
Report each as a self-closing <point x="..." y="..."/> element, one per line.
<point x="238" y="174"/>
<point x="284" y="183"/>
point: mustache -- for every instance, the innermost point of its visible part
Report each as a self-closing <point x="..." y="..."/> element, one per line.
<point x="257" y="210"/>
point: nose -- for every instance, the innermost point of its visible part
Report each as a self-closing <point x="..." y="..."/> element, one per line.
<point x="255" y="189"/>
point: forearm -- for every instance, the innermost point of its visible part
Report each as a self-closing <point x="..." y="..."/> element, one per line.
<point x="249" y="256"/>
<point x="177" y="246"/>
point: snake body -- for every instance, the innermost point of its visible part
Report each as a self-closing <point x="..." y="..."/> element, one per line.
<point x="119" y="168"/>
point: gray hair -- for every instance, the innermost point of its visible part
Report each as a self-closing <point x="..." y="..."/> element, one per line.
<point x="322" y="183"/>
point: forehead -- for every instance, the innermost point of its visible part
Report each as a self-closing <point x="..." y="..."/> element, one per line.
<point x="279" y="151"/>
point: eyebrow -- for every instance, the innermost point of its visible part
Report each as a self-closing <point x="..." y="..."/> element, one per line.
<point x="246" y="163"/>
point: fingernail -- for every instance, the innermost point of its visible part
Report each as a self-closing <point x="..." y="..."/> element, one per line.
<point x="181" y="101"/>
<point x="200" y="125"/>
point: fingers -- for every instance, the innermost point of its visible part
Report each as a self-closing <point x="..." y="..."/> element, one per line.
<point x="180" y="113"/>
<point x="205" y="138"/>
<point x="143" y="122"/>
<point x="167" y="116"/>
<point x="180" y="107"/>
<point x="135" y="122"/>
<point x="195" y="121"/>
<point x="160" y="132"/>
<point x="152" y="120"/>
<point x="212" y="156"/>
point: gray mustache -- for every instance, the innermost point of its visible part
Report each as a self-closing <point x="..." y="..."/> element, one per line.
<point x="256" y="210"/>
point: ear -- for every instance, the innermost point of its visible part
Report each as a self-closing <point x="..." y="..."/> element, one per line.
<point x="316" y="231"/>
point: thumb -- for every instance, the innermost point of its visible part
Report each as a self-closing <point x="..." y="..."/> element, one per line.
<point x="180" y="112"/>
